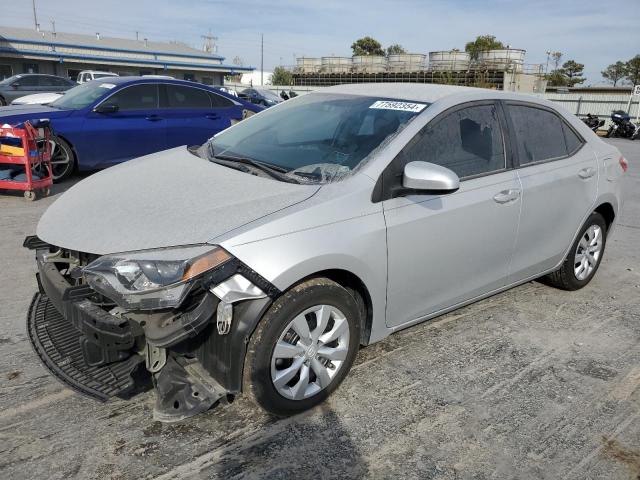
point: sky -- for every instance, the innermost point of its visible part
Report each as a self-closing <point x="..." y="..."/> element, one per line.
<point x="587" y="31"/>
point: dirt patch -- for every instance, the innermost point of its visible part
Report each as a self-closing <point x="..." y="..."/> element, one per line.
<point x="630" y="457"/>
<point x="13" y="375"/>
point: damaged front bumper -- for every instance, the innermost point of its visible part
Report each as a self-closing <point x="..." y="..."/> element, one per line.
<point x="192" y="356"/>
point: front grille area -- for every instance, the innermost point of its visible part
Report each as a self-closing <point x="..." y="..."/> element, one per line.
<point x="59" y="346"/>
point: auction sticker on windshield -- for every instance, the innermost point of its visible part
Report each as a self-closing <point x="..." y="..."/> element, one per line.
<point x="403" y="106"/>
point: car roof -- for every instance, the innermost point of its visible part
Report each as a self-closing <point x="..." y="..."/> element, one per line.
<point x="420" y="92"/>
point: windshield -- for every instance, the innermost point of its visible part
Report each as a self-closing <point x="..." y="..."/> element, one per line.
<point x="82" y="96"/>
<point x="9" y="80"/>
<point x="268" y="94"/>
<point x="320" y="137"/>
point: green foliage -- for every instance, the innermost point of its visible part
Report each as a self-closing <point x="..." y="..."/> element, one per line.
<point x="281" y="77"/>
<point x="567" y="76"/>
<point x="615" y="72"/>
<point x="482" y="43"/>
<point x="395" y="49"/>
<point x="367" y="46"/>
<point x="632" y="70"/>
<point x="572" y="71"/>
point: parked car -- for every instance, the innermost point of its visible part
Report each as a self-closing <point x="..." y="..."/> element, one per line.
<point x="30" y="83"/>
<point x="37" y="99"/>
<point x="260" y="262"/>
<point x="260" y="96"/>
<point x="89" y="75"/>
<point x="104" y="122"/>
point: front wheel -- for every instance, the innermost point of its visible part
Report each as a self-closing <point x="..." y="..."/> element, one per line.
<point x="585" y="256"/>
<point x="303" y="347"/>
<point x="62" y="159"/>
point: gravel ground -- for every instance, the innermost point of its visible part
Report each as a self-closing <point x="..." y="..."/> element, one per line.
<point x="532" y="383"/>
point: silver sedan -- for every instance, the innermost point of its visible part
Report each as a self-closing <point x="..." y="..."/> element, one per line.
<point x="261" y="261"/>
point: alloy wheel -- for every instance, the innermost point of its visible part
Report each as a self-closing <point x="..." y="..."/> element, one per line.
<point x="588" y="252"/>
<point x="310" y="352"/>
<point x="61" y="160"/>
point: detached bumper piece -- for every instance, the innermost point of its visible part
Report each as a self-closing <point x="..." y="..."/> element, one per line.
<point x="62" y="349"/>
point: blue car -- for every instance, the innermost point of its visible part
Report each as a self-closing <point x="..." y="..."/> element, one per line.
<point x="109" y="121"/>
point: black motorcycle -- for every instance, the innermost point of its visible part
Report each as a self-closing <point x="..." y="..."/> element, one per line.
<point x="622" y="126"/>
<point x="593" y="122"/>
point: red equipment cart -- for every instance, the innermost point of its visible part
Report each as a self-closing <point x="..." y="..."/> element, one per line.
<point x="25" y="156"/>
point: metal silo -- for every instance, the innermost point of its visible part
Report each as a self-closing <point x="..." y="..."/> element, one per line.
<point x="448" y="60"/>
<point x="406" y="62"/>
<point x="502" y="59"/>
<point x="336" y="64"/>
<point x="369" y="63"/>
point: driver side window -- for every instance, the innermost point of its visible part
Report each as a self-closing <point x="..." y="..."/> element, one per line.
<point x="468" y="141"/>
<point x="136" y="97"/>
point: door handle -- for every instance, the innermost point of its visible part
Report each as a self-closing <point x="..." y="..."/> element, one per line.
<point x="507" y="196"/>
<point x="587" y="172"/>
<point x="213" y="116"/>
<point x="153" y="118"/>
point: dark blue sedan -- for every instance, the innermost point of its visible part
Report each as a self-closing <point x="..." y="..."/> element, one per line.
<point x="108" y="121"/>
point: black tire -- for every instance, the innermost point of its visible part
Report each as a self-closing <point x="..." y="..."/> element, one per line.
<point x="257" y="381"/>
<point x="565" y="277"/>
<point x="3" y="102"/>
<point x="62" y="171"/>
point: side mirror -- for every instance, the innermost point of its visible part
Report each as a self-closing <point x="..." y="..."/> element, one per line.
<point x="429" y="177"/>
<point x="106" y="108"/>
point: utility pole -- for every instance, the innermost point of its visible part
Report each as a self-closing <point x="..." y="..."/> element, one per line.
<point x="53" y="27"/>
<point x="261" y="58"/>
<point x="209" y="43"/>
<point x="35" y="16"/>
<point x="137" y="35"/>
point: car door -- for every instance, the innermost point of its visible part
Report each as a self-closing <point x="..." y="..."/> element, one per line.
<point x="559" y="176"/>
<point x="449" y="248"/>
<point x="194" y="114"/>
<point x="134" y="129"/>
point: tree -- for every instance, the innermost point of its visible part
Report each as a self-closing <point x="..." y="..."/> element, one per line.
<point x="367" y="46"/>
<point x="395" y="49"/>
<point x="572" y="71"/>
<point x="556" y="79"/>
<point x="482" y="43"/>
<point x="633" y="70"/>
<point x="615" y="72"/>
<point x="556" y="58"/>
<point x="281" y="77"/>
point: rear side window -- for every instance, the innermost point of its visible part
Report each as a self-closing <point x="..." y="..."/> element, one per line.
<point x="468" y="141"/>
<point x="179" y="96"/>
<point x="573" y="141"/>
<point x="540" y="134"/>
<point x="218" y="101"/>
<point x="136" y="97"/>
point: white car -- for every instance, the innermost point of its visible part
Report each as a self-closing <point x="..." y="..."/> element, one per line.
<point x="37" y="99"/>
<point x="88" y="75"/>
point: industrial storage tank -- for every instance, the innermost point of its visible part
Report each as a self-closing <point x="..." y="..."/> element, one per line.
<point x="369" y="63"/>
<point x="308" y="64"/>
<point x="406" y="62"/>
<point x="448" y="60"/>
<point x="502" y="59"/>
<point x="336" y="64"/>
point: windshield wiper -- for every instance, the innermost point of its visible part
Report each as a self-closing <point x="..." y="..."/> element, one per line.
<point x="272" y="170"/>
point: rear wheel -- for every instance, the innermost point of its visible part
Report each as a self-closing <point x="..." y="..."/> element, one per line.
<point x="585" y="256"/>
<point x="303" y="347"/>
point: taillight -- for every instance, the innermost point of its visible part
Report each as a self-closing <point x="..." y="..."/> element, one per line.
<point x="623" y="164"/>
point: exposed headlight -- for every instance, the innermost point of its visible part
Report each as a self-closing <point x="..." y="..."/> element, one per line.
<point x="152" y="279"/>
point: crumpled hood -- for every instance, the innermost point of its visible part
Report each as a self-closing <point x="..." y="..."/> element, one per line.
<point x="165" y="199"/>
